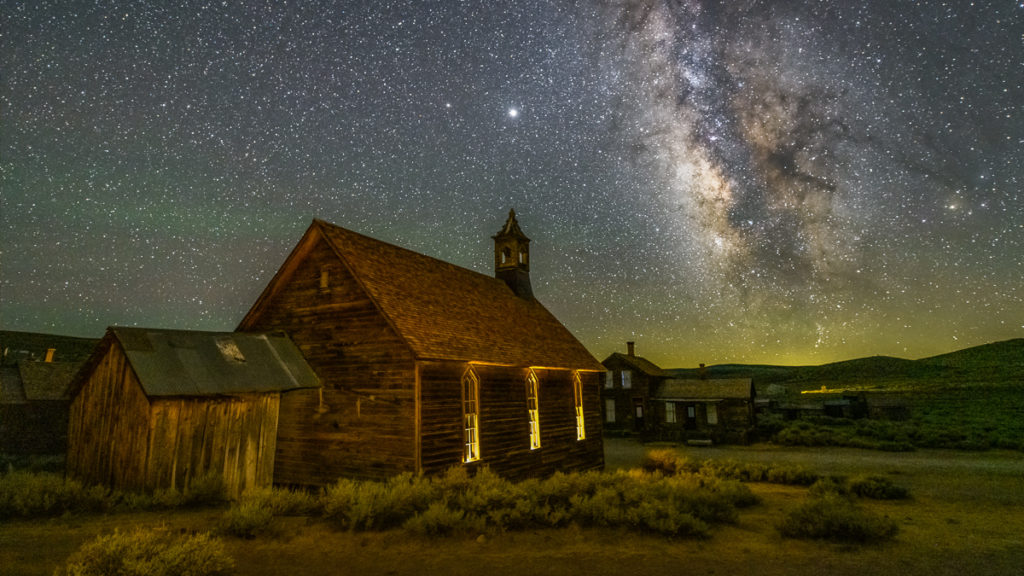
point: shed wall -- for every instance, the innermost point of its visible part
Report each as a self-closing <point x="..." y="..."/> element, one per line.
<point x="108" y="426"/>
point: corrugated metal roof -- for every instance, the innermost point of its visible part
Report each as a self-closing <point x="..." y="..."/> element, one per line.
<point x="190" y="363"/>
<point x="720" y="389"/>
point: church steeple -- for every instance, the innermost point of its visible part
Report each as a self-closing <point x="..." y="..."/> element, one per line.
<point x="512" y="257"/>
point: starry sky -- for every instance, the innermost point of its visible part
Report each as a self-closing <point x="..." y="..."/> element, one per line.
<point x="783" y="182"/>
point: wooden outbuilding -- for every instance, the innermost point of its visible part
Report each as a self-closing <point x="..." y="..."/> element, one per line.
<point x="716" y="410"/>
<point x="158" y="408"/>
<point x="425" y="365"/>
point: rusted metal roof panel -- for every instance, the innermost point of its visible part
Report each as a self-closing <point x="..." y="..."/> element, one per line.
<point x="191" y="363"/>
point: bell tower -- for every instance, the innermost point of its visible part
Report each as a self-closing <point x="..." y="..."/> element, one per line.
<point x="512" y="257"/>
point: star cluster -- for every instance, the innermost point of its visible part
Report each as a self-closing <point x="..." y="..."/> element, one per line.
<point x="758" y="181"/>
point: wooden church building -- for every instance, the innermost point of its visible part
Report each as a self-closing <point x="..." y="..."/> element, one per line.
<point x="425" y="365"/>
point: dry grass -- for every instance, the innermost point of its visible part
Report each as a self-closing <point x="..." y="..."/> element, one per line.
<point x="966" y="516"/>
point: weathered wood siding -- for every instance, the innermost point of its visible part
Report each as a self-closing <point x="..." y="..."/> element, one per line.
<point x="364" y="423"/>
<point x="108" y="426"/>
<point x="233" y="437"/>
<point x="504" y="424"/>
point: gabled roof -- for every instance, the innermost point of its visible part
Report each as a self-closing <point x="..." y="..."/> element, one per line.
<point x="446" y="312"/>
<point x="637" y="363"/>
<point x="47" y="380"/>
<point x="720" y="389"/>
<point x="190" y="363"/>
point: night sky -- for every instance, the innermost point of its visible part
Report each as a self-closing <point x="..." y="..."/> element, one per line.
<point x="737" y="181"/>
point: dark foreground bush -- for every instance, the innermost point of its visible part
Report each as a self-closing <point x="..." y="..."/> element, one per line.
<point x="149" y="553"/>
<point x="832" y="517"/>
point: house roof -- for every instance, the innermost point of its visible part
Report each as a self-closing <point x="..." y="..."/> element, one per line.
<point x="637" y="363"/>
<point x="716" y="389"/>
<point x="191" y="363"/>
<point x="47" y="380"/>
<point x="446" y="312"/>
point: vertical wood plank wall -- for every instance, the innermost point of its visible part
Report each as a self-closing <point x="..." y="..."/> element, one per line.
<point x="108" y="426"/>
<point x="365" y="424"/>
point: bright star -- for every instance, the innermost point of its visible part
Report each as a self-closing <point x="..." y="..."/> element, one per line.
<point x="512" y="112"/>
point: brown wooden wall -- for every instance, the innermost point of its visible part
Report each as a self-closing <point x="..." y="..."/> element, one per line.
<point x="108" y="426"/>
<point x="365" y="424"/>
<point x="504" y="426"/>
<point x="233" y="437"/>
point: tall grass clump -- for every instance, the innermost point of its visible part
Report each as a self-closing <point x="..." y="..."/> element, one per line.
<point x="149" y="553"/>
<point x="28" y="494"/>
<point x="836" y="518"/>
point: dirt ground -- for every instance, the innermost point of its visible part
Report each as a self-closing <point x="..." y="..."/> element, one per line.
<point x="966" y="518"/>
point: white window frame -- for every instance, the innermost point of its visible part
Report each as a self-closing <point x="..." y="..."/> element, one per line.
<point x="533" y="408"/>
<point x="670" y="412"/>
<point x="609" y="379"/>
<point x="471" y="416"/>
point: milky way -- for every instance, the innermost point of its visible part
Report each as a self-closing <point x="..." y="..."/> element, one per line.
<point x="720" y="181"/>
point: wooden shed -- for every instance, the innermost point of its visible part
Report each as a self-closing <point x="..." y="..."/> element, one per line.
<point x="719" y="410"/>
<point x="157" y="408"/>
<point x="426" y="365"/>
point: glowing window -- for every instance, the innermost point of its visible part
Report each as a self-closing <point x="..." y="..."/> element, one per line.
<point x="533" y="409"/>
<point x="471" y="415"/>
<point x="609" y="410"/>
<point x="577" y="386"/>
<point x="670" y="412"/>
<point x="627" y="379"/>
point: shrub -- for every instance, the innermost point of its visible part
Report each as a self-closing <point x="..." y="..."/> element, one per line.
<point x="248" y="520"/>
<point x="440" y="520"/>
<point x="28" y="494"/>
<point x="878" y="488"/>
<point x="832" y="517"/>
<point x="829" y="485"/>
<point x="283" y="501"/>
<point x="149" y="553"/>
<point x="378" y="505"/>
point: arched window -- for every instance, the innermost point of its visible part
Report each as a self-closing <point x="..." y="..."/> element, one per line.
<point x="577" y="387"/>
<point x="533" y="409"/>
<point x="471" y="416"/>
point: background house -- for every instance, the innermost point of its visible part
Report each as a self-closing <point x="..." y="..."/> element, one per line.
<point x="626" y="391"/>
<point x="158" y="408"/>
<point x="716" y="410"/>
<point x="426" y="365"/>
<point x="35" y="371"/>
